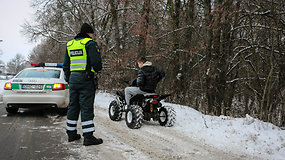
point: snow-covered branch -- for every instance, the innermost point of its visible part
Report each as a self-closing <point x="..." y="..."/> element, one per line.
<point x="246" y="78"/>
<point x="230" y="70"/>
<point x="258" y="26"/>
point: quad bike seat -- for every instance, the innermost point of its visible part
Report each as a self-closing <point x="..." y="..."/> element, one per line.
<point x="150" y="95"/>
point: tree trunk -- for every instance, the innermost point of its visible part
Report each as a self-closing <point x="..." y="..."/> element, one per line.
<point x="124" y="24"/>
<point x="144" y="28"/>
<point x="116" y="26"/>
<point x="208" y="49"/>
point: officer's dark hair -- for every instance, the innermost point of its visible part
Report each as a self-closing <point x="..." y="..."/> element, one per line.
<point x="142" y="59"/>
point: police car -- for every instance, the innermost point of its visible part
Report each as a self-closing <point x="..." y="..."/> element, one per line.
<point x="41" y="86"/>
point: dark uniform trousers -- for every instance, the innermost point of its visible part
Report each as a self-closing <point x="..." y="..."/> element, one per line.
<point x="82" y="95"/>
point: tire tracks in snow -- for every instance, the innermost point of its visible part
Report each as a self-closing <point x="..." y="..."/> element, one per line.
<point x="151" y="141"/>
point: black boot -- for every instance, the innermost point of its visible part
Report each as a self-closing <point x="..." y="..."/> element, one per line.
<point x="73" y="136"/>
<point x="89" y="139"/>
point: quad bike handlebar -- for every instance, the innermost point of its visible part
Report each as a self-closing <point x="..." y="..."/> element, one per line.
<point x="163" y="96"/>
<point x="132" y="82"/>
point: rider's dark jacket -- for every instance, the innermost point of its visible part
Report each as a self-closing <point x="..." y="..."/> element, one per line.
<point x="148" y="77"/>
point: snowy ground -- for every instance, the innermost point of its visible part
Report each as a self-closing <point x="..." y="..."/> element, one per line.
<point x="194" y="136"/>
<point x="241" y="136"/>
<point x="2" y="83"/>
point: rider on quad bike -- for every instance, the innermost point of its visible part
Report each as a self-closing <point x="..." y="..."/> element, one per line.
<point x="140" y="101"/>
<point x="146" y="82"/>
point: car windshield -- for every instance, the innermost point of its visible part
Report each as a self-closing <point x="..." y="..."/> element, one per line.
<point x="39" y="73"/>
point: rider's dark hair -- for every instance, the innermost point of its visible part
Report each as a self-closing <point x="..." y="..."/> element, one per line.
<point x="142" y="59"/>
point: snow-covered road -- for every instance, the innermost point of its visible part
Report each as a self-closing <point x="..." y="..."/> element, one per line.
<point x="149" y="142"/>
<point x="2" y="83"/>
<point x="194" y="136"/>
<point x="225" y="138"/>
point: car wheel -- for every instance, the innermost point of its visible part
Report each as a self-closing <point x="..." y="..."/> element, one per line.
<point x="11" y="109"/>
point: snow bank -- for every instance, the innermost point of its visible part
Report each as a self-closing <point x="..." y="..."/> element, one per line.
<point x="2" y="83"/>
<point x="247" y="135"/>
<point x="238" y="135"/>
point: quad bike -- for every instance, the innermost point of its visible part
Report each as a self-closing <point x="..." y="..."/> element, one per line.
<point x="143" y="107"/>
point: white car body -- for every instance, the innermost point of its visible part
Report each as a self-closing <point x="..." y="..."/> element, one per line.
<point x="30" y="92"/>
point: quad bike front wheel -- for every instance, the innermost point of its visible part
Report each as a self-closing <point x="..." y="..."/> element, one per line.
<point x="115" y="113"/>
<point x="134" y="117"/>
<point x="167" y="116"/>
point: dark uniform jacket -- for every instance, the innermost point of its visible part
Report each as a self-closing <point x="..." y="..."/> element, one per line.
<point x="93" y="59"/>
<point x="148" y="77"/>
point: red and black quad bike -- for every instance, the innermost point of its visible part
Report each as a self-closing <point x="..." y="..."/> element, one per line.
<point x="143" y="107"/>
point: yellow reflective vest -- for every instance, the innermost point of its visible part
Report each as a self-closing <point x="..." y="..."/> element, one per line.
<point x="77" y="54"/>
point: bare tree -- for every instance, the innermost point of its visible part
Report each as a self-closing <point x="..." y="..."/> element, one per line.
<point x="2" y="64"/>
<point x="221" y="56"/>
<point x="1" y="53"/>
<point x="16" y="64"/>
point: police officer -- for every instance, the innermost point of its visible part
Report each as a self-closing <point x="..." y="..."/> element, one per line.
<point x="81" y="62"/>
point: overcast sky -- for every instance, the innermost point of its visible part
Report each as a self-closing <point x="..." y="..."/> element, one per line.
<point x="13" y="14"/>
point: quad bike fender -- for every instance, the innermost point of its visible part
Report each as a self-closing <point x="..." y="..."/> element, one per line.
<point x="120" y="94"/>
<point x="137" y="98"/>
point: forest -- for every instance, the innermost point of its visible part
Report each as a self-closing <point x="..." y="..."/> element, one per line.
<point x="221" y="57"/>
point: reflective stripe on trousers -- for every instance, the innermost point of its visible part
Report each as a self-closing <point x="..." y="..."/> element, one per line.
<point x="88" y="126"/>
<point x="71" y="125"/>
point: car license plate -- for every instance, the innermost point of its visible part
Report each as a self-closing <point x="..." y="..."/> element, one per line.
<point x="32" y="86"/>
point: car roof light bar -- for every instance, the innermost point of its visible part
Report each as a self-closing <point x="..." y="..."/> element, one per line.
<point x="47" y="64"/>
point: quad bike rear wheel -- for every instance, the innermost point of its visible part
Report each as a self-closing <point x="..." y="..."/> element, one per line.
<point x="115" y="113"/>
<point x="167" y="116"/>
<point x="134" y="117"/>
